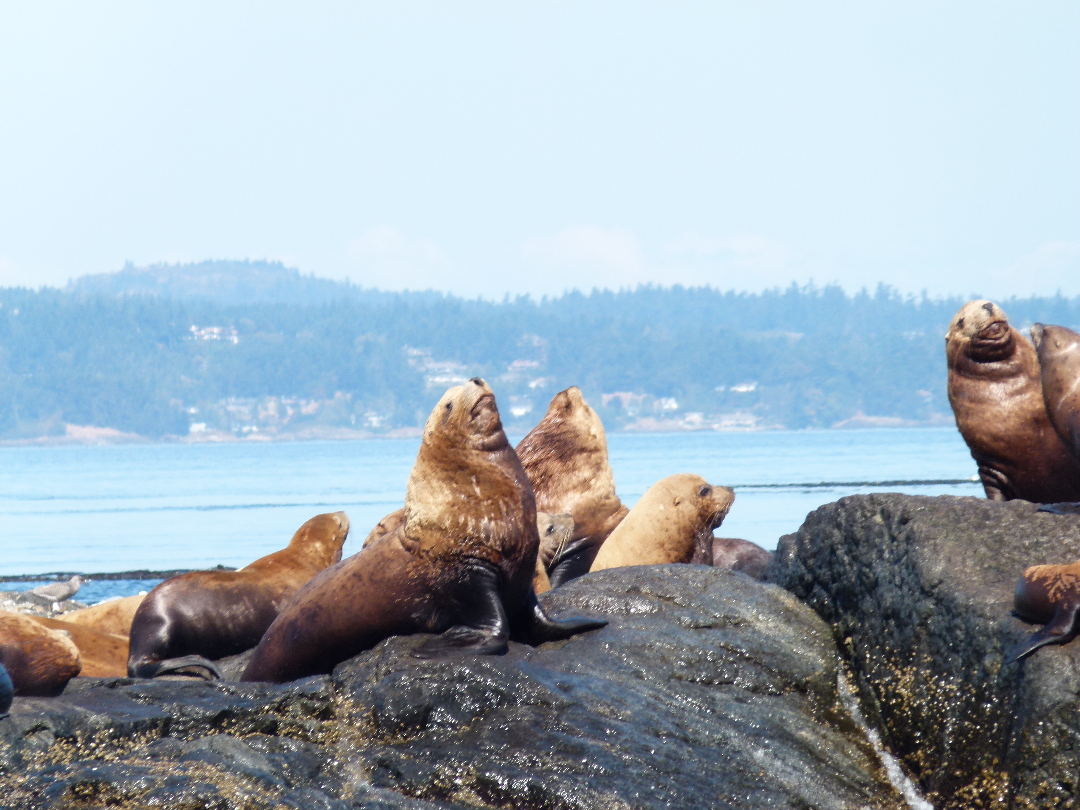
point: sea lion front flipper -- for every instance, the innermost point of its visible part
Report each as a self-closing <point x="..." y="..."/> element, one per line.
<point x="1061" y="508"/>
<point x="482" y="627"/>
<point x="1060" y="630"/>
<point x="574" y="560"/>
<point x="184" y="665"/>
<point x="540" y="627"/>
<point x="996" y="486"/>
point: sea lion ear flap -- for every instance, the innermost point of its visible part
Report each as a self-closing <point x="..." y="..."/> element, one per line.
<point x="1060" y="630"/>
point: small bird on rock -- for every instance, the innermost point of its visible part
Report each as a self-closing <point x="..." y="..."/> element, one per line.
<point x="59" y="591"/>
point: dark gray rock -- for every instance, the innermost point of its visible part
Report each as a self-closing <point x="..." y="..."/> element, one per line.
<point x="706" y="690"/>
<point x="919" y="593"/>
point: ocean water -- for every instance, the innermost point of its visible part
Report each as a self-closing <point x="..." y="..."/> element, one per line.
<point x="173" y="506"/>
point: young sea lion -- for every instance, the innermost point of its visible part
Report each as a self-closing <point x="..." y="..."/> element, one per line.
<point x="388" y="525"/>
<point x="555" y="532"/>
<point x="113" y="617"/>
<point x="103" y="655"/>
<point x="996" y="393"/>
<point x="214" y="614"/>
<point x="672" y="523"/>
<point x="39" y="661"/>
<point x="1047" y="595"/>
<point x="566" y="459"/>
<point x="736" y="554"/>
<point x="7" y="692"/>
<point x="461" y="564"/>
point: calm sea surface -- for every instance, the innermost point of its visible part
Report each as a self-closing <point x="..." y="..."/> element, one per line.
<point x="167" y="506"/>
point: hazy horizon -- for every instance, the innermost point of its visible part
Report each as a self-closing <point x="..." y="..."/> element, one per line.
<point x="485" y="149"/>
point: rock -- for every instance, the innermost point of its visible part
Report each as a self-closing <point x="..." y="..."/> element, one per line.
<point x="918" y="591"/>
<point x="707" y="689"/>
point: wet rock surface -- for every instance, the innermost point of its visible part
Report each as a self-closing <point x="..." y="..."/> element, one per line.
<point x="707" y="689"/>
<point x="919" y="593"/>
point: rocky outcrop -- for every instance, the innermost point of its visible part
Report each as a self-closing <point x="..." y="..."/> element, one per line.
<point x="919" y="592"/>
<point x="706" y="689"/>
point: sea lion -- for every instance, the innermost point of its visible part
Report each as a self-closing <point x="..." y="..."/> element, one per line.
<point x="672" y="523"/>
<point x="1058" y="349"/>
<point x="103" y="655"/>
<point x="214" y="614"/>
<point x="995" y="389"/>
<point x="7" y="692"/>
<point x="1047" y="595"/>
<point x="461" y="564"/>
<point x="39" y="661"/>
<point x="112" y="617"/>
<point x="735" y="554"/>
<point x="566" y="459"/>
<point x="388" y="525"/>
<point x="555" y="532"/>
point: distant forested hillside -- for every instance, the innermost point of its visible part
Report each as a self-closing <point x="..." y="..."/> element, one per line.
<point x="260" y="348"/>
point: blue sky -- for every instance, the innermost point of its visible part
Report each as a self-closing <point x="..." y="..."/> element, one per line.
<point x="486" y="148"/>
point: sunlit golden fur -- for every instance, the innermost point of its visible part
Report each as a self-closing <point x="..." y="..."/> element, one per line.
<point x="995" y="389"/>
<point x="672" y="523"/>
<point x="112" y="617"/>
<point x="103" y="655"/>
<point x="39" y="660"/>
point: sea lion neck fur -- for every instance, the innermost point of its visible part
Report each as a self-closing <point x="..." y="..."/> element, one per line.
<point x="468" y="484"/>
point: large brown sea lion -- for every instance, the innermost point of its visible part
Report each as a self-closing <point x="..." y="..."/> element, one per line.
<point x="38" y="660"/>
<point x="7" y="692"/>
<point x="214" y="614"/>
<point x="566" y="459"/>
<point x="103" y="655"/>
<point x="555" y="532"/>
<point x="736" y="554"/>
<point x="672" y="523"/>
<point x="995" y="389"/>
<point x="461" y="564"/>
<point x="112" y="617"/>
<point x="1047" y="595"/>
<point x="1059" y="361"/>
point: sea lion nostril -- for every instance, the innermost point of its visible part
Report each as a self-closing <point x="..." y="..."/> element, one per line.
<point x="989" y="307"/>
<point x="477" y="381"/>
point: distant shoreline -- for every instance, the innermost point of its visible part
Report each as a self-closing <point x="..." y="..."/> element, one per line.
<point x="82" y="436"/>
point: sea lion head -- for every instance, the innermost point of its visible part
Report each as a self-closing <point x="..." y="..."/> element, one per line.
<point x="322" y="537"/>
<point x="981" y="332"/>
<point x="467" y="495"/>
<point x="1054" y="342"/>
<point x="693" y="495"/>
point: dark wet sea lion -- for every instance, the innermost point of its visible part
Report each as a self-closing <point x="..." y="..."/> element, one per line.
<point x="214" y="614"/>
<point x="555" y="532"/>
<point x="996" y="393"/>
<point x="113" y="617"/>
<point x="7" y="692"/>
<point x="39" y="661"/>
<point x="1048" y="595"/>
<point x="672" y="523"/>
<point x="736" y="554"/>
<point x="461" y="564"/>
<point x="566" y="459"/>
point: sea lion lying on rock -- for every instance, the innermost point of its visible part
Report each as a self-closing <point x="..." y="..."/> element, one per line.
<point x="672" y="523"/>
<point x="566" y="459"/>
<point x="555" y="532"/>
<point x="113" y="617"/>
<point x="735" y="554"/>
<point x="214" y="614"/>
<point x="1048" y="595"/>
<point x="38" y="660"/>
<point x="996" y="393"/>
<point x="103" y="655"/>
<point x="461" y="564"/>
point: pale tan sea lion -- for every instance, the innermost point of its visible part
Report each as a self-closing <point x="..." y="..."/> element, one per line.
<point x="672" y="523"/>
<point x="736" y="554"/>
<point x="996" y="393"/>
<point x="388" y="525"/>
<point x="214" y="614"/>
<point x="112" y="617"/>
<point x="103" y="655"/>
<point x="566" y="459"/>
<point x="555" y="532"/>
<point x="39" y="661"/>
<point x="461" y="564"/>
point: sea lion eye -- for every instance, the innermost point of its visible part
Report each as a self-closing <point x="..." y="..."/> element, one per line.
<point x="960" y="324"/>
<point x="705" y="491"/>
<point x="446" y="416"/>
<point x="550" y="529"/>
